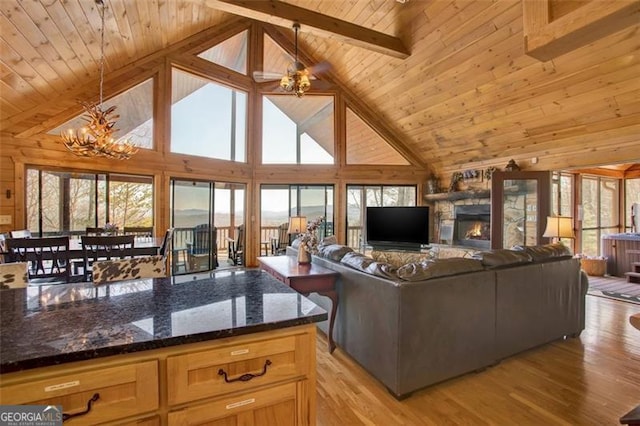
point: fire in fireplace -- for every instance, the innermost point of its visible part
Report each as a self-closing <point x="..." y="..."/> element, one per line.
<point x="472" y="226"/>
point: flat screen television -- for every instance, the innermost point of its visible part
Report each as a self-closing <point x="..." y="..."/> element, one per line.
<point x="400" y="228"/>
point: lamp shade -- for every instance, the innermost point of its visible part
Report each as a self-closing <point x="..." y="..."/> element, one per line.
<point x="559" y="227"/>
<point x="297" y="224"/>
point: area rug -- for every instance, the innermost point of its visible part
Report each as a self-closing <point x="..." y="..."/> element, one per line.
<point x="614" y="288"/>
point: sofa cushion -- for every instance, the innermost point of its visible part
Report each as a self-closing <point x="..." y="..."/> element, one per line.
<point x="546" y="252"/>
<point x="333" y="252"/>
<point x="328" y="240"/>
<point x="428" y="269"/>
<point x="366" y="264"/>
<point x="502" y="257"/>
<point x="398" y="258"/>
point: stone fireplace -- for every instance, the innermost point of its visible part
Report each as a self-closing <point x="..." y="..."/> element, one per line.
<point x="462" y="218"/>
<point x="472" y="225"/>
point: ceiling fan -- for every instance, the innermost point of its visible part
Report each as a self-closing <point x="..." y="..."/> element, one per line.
<point x="297" y="78"/>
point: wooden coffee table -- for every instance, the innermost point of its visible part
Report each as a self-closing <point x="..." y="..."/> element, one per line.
<point x="305" y="279"/>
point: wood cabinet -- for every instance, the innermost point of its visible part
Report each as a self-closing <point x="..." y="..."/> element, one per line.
<point x="255" y="379"/>
<point x="114" y="392"/>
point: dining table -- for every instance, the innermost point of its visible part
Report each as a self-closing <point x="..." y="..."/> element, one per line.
<point x="142" y="246"/>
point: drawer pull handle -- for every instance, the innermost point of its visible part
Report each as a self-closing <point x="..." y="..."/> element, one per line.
<point x="93" y="399"/>
<point x="245" y="377"/>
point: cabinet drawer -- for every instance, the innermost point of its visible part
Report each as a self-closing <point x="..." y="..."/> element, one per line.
<point x="122" y="391"/>
<point x="272" y="406"/>
<point x="197" y="375"/>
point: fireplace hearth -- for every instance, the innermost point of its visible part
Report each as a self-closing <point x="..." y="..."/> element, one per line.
<point x="472" y="226"/>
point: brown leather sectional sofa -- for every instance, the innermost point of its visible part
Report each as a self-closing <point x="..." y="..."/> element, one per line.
<point x="426" y="322"/>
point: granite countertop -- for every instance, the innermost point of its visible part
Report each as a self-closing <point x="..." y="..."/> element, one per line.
<point x="55" y="324"/>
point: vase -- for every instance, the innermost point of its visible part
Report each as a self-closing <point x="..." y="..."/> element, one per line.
<point x="303" y="255"/>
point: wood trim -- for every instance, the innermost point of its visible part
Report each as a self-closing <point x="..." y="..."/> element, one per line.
<point x="545" y="39"/>
<point x="284" y="14"/>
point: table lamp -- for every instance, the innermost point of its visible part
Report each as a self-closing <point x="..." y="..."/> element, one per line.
<point x="297" y="224"/>
<point x="559" y="227"/>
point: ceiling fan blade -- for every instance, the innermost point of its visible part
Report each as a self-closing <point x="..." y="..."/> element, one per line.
<point x="261" y="77"/>
<point x="320" y="67"/>
<point x="321" y="85"/>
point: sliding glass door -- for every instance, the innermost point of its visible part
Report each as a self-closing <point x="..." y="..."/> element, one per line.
<point x="206" y="217"/>
<point x="279" y="202"/>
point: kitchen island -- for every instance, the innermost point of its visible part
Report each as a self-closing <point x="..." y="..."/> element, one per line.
<point x="237" y="346"/>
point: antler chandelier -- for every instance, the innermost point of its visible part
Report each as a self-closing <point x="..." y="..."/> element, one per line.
<point x="297" y="78"/>
<point x="96" y="138"/>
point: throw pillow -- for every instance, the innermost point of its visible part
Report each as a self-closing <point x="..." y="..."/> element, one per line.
<point x="438" y="268"/>
<point x="333" y="252"/>
<point x="366" y="264"/>
<point x="398" y="258"/>
<point x="546" y="252"/>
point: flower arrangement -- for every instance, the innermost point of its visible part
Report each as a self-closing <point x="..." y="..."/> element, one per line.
<point x="110" y="228"/>
<point x="309" y="238"/>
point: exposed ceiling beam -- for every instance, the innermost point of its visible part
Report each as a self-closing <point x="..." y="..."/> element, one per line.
<point x="546" y="39"/>
<point x="284" y="14"/>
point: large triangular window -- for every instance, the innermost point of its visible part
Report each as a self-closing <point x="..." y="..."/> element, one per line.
<point x="366" y="146"/>
<point x="275" y="59"/>
<point x="231" y="53"/>
<point x="135" y="108"/>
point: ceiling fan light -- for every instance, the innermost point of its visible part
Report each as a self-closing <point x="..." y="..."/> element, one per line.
<point x="285" y="82"/>
<point x="305" y="84"/>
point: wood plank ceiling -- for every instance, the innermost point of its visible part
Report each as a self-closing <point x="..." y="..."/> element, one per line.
<point x="467" y="96"/>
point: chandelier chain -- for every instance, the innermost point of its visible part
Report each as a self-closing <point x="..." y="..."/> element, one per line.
<point x="102" y="11"/>
<point x="97" y="138"/>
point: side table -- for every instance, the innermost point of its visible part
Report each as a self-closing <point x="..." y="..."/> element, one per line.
<point x="305" y="278"/>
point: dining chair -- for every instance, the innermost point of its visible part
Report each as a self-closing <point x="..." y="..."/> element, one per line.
<point x="48" y="257"/>
<point x="167" y="242"/>
<point x="89" y="230"/>
<point x="138" y="231"/>
<point x="13" y="275"/>
<point x="101" y="247"/>
<point x="279" y="244"/>
<point x="22" y="233"/>
<point x="202" y="252"/>
<point x="236" y="246"/>
<point x="105" y="271"/>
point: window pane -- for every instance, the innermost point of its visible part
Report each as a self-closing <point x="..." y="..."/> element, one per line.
<point x="130" y="200"/>
<point x="207" y="119"/>
<point x="590" y="202"/>
<point x="135" y="108"/>
<point x="609" y="202"/>
<point x="231" y="53"/>
<point x="566" y="191"/>
<point x="590" y="242"/>
<point x="297" y="130"/>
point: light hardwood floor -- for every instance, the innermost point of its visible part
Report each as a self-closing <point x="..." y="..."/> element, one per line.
<point x="591" y="380"/>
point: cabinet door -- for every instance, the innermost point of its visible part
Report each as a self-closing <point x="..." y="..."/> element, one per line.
<point x="270" y="406"/>
<point x="520" y="204"/>
<point x="122" y="391"/>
